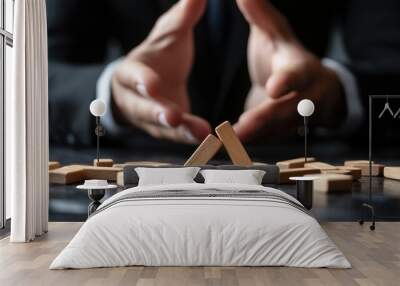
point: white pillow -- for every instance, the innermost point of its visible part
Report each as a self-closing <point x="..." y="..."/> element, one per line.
<point x="166" y="176"/>
<point x="247" y="177"/>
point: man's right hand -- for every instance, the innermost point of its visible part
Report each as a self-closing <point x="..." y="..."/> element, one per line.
<point x="149" y="86"/>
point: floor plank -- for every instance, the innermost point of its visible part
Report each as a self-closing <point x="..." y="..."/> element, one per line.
<point x="375" y="257"/>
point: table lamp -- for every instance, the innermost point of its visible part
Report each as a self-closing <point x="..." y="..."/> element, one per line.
<point x="98" y="109"/>
<point x="305" y="108"/>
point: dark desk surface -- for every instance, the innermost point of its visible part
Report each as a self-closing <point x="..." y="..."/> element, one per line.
<point x="69" y="204"/>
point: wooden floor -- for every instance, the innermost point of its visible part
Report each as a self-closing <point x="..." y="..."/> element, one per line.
<point x="375" y="257"/>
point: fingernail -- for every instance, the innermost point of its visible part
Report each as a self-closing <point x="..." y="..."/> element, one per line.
<point x="141" y="88"/>
<point x="163" y="119"/>
<point x="188" y="135"/>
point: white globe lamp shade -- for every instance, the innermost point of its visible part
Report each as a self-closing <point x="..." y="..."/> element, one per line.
<point x="97" y="107"/>
<point x="305" y="107"/>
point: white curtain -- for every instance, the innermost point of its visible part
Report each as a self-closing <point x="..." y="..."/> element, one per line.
<point x="27" y="124"/>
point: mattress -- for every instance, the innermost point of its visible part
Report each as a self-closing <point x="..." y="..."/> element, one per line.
<point x="201" y="225"/>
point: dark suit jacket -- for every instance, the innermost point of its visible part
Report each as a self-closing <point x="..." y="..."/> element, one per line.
<point x="81" y="32"/>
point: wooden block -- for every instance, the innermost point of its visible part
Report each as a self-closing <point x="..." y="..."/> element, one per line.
<point x="320" y="165"/>
<point x="377" y="169"/>
<point x="285" y="174"/>
<point x="204" y="153"/>
<point x="67" y="175"/>
<point x="332" y="183"/>
<point x="356" y="173"/>
<point x="351" y="163"/>
<point x="232" y="144"/>
<point x="336" y="171"/>
<point x="101" y="173"/>
<point x="120" y="179"/>
<point x="54" y="165"/>
<point x="392" y="173"/>
<point x="103" y="163"/>
<point x="294" y="163"/>
<point x="142" y="163"/>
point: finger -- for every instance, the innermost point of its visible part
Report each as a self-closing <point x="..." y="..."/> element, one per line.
<point x="193" y="130"/>
<point x="263" y="15"/>
<point x="138" y="108"/>
<point x="265" y="116"/>
<point x="184" y="15"/>
<point x="197" y="126"/>
<point x="284" y="82"/>
<point x="143" y="81"/>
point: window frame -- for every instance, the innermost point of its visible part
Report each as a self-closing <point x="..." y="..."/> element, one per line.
<point x="6" y="39"/>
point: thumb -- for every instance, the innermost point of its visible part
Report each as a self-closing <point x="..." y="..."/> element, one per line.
<point x="264" y="16"/>
<point x="184" y="15"/>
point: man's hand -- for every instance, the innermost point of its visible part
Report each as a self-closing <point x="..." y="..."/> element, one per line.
<point x="149" y="87"/>
<point x="283" y="73"/>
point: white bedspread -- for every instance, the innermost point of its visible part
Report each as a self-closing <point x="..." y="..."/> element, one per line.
<point x="202" y="231"/>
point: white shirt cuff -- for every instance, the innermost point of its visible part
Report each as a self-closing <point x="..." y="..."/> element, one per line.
<point x="355" y="110"/>
<point x="103" y="92"/>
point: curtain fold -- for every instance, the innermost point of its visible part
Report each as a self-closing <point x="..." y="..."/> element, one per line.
<point x="27" y="123"/>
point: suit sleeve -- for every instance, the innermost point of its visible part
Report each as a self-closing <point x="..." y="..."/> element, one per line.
<point x="77" y="36"/>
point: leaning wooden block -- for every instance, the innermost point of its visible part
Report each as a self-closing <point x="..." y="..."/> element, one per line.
<point x="285" y="174"/>
<point x="204" y="153"/>
<point x="392" y="173"/>
<point x="232" y="144"/>
<point x="294" y="163"/>
<point x="356" y="173"/>
<point x="103" y="163"/>
<point x="101" y="173"/>
<point x="320" y="165"/>
<point x="120" y="179"/>
<point x="54" y="165"/>
<point x="67" y="175"/>
<point x="332" y="183"/>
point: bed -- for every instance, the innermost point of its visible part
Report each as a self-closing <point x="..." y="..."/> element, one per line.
<point x="197" y="224"/>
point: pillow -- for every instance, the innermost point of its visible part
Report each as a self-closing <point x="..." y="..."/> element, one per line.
<point x="271" y="171"/>
<point x="247" y="177"/>
<point x="166" y="176"/>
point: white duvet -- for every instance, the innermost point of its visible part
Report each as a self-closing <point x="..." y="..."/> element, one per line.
<point x="200" y="231"/>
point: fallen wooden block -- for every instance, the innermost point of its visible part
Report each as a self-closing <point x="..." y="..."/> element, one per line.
<point x="285" y="174"/>
<point x="232" y="144"/>
<point x="377" y="169"/>
<point x="392" y="173"/>
<point x="54" y="165"/>
<point x="332" y="183"/>
<point x="351" y="163"/>
<point x="356" y="173"/>
<point x="101" y="173"/>
<point x="67" y="175"/>
<point x="103" y="163"/>
<point x="336" y="171"/>
<point x="294" y="163"/>
<point x="204" y="153"/>
<point x="320" y="165"/>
